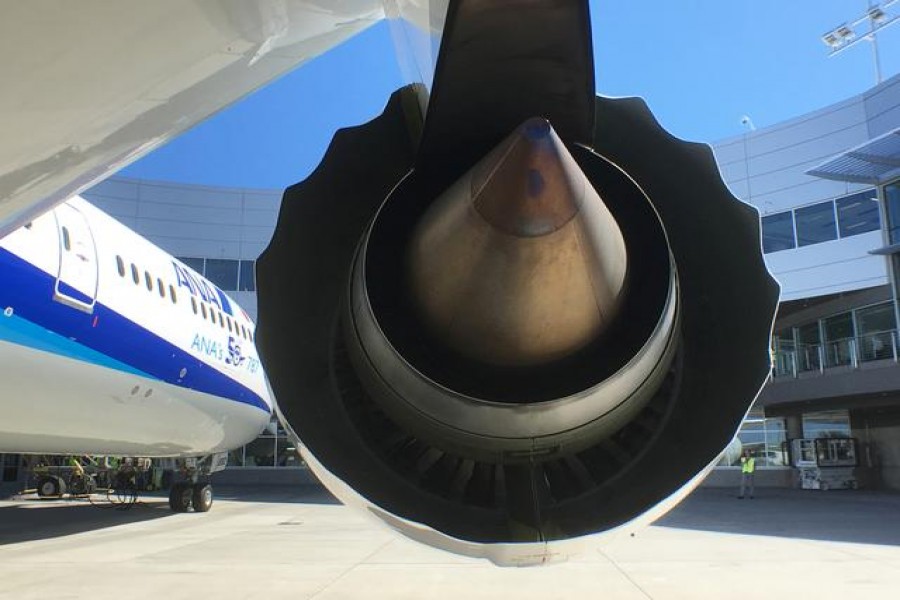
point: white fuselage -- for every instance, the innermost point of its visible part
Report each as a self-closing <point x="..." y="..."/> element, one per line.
<point x="108" y="345"/>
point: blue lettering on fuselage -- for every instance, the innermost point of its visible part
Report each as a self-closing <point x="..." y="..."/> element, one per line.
<point x="207" y="347"/>
<point x="200" y="287"/>
<point x="234" y="358"/>
<point x="232" y="354"/>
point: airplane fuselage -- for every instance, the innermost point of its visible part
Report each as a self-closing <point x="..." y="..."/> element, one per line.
<point x="108" y="345"/>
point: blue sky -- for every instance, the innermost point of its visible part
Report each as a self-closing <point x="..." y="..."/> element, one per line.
<point x="700" y="64"/>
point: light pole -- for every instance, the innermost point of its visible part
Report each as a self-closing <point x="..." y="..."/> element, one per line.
<point x="875" y="19"/>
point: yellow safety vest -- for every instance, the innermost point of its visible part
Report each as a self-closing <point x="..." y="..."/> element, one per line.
<point x="747" y="464"/>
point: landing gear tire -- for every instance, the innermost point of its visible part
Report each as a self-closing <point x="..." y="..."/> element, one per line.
<point x="180" y="497"/>
<point x="49" y="486"/>
<point x="202" y="497"/>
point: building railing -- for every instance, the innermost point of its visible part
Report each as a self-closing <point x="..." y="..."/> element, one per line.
<point x="790" y="360"/>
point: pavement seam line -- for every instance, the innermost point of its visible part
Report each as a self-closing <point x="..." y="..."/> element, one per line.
<point x="626" y="575"/>
<point x="346" y="571"/>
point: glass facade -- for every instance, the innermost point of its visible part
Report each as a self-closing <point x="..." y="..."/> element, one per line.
<point x="858" y="213"/>
<point x="839" y="335"/>
<point x="826" y="424"/>
<point x="247" y="276"/>
<point x="778" y="232"/>
<point x="816" y="224"/>
<point x="271" y="449"/>
<point x="864" y="334"/>
<point x="229" y="275"/>
<point x="875" y="326"/>
<point x="765" y="437"/>
<point x="196" y="264"/>
<point x="9" y="467"/>
<point x="223" y="273"/>
<point x="892" y="204"/>
<point x="825" y="221"/>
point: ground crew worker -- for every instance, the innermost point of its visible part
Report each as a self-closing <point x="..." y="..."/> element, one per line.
<point x="748" y="466"/>
<point x="77" y="468"/>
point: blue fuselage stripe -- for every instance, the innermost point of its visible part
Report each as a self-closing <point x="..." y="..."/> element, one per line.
<point x="104" y="337"/>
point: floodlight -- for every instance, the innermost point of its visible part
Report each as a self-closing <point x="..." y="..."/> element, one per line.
<point x="831" y="39"/>
<point x="876" y="15"/>
<point x="845" y="33"/>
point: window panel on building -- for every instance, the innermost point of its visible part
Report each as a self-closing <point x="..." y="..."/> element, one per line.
<point x="892" y="203"/>
<point x="764" y="437"/>
<point x="858" y="213"/>
<point x="194" y="263"/>
<point x="222" y="272"/>
<point x="876" y="327"/>
<point x="815" y="224"/>
<point x="809" y="333"/>
<point x="784" y="339"/>
<point x="809" y="347"/>
<point x="826" y="423"/>
<point x="247" y="281"/>
<point x="838" y="327"/>
<point x="879" y="317"/>
<point x="838" y="339"/>
<point x="778" y="232"/>
<point x="785" y="352"/>
<point x="236" y="457"/>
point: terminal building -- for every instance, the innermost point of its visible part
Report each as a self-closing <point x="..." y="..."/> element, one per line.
<point x="827" y="185"/>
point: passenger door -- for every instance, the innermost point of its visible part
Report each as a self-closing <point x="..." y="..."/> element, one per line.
<point x="76" y="282"/>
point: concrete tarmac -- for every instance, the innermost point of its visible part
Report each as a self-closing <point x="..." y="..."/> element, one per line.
<point x="284" y="543"/>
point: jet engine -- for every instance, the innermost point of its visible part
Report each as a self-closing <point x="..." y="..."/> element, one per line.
<point x="524" y="318"/>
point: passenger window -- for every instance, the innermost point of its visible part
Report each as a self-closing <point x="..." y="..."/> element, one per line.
<point x="172" y="295"/>
<point x="148" y="280"/>
<point x="221" y="321"/>
<point x="67" y="242"/>
<point x="160" y="287"/>
<point x="203" y="309"/>
<point x="228" y="321"/>
<point x="134" y="274"/>
<point x="194" y="304"/>
<point x="120" y="266"/>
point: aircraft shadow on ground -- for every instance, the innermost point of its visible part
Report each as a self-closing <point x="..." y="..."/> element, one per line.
<point x="861" y="517"/>
<point x="304" y="494"/>
<point x="45" y="519"/>
<point x="36" y="519"/>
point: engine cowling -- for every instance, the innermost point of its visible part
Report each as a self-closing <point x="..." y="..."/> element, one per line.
<point x="537" y="325"/>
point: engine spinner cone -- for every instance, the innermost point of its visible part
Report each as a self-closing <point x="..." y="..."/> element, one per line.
<point x="519" y="262"/>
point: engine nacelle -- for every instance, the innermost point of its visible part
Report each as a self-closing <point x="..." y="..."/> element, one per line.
<point x="530" y="324"/>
